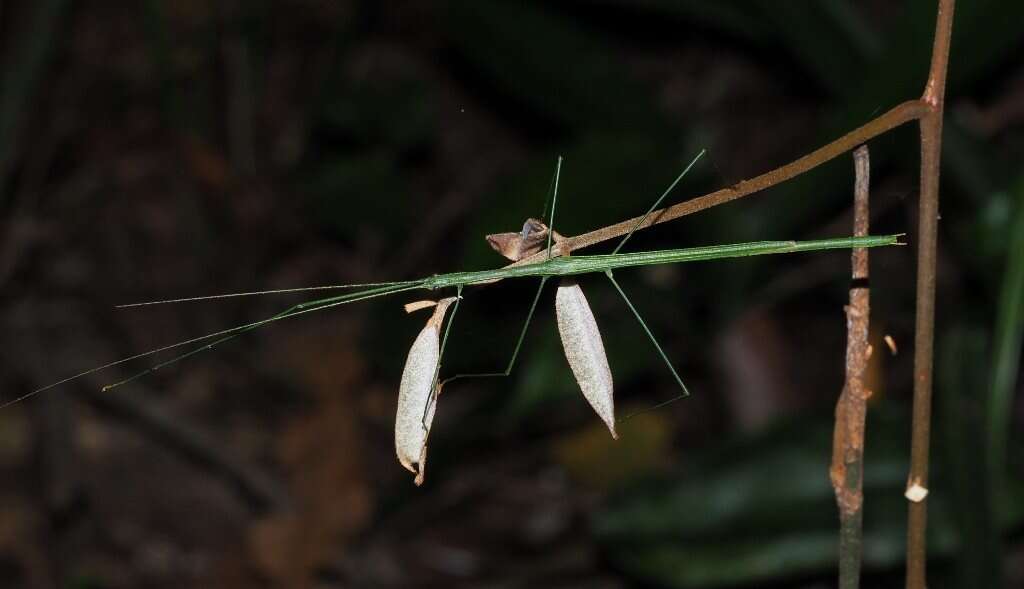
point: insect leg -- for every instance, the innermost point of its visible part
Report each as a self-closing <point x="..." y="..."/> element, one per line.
<point x="664" y="357"/>
<point x="519" y="342"/>
<point x="547" y="199"/>
<point x="657" y="202"/>
<point x="554" y="203"/>
<point x="432" y="398"/>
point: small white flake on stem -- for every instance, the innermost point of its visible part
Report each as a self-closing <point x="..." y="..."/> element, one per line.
<point x="889" y="341"/>
<point x="916" y="492"/>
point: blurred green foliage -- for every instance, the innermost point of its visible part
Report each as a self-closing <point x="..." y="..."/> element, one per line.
<point x="758" y="508"/>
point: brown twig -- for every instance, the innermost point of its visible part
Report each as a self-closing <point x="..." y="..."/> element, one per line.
<point x="924" y="323"/>
<point x="847" y="471"/>
<point x="908" y="111"/>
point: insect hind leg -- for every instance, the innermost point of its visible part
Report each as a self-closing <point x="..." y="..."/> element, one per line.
<point x="519" y="343"/>
<point x="647" y="330"/>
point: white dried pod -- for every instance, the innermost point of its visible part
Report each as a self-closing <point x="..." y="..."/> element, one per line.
<point x="416" y="398"/>
<point x="585" y="350"/>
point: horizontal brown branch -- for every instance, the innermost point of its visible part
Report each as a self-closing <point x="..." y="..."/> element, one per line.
<point x="899" y="115"/>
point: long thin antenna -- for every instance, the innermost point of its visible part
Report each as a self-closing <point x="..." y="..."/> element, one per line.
<point x="658" y="202"/>
<point x="300" y="309"/>
<point x="231" y="332"/>
<point x="264" y="292"/>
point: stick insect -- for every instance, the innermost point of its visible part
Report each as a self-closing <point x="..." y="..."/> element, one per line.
<point x="421" y="385"/>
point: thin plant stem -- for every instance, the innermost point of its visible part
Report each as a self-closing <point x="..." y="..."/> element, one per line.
<point x="847" y="470"/>
<point x="933" y="99"/>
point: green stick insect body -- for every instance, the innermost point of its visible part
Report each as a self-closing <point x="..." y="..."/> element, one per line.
<point x="576" y="265"/>
<point x="535" y="236"/>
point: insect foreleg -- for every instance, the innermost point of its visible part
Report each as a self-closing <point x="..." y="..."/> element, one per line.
<point x="435" y="388"/>
<point x="657" y="202"/>
<point x="554" y="203"/>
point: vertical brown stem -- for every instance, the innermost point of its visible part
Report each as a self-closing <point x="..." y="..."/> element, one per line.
<point x="924" y="333"/>
<point x="847" y="471"/>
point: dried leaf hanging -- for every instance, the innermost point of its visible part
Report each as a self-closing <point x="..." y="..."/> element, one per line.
<point x="417" y="398"/>
<point x="585" y="350"/>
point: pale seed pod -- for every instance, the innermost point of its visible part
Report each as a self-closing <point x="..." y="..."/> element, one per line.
<point x="416" y="396"/>
<point x="585" y="350"/>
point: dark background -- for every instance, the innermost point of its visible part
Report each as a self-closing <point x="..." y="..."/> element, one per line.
<point x="154" y="149"/>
